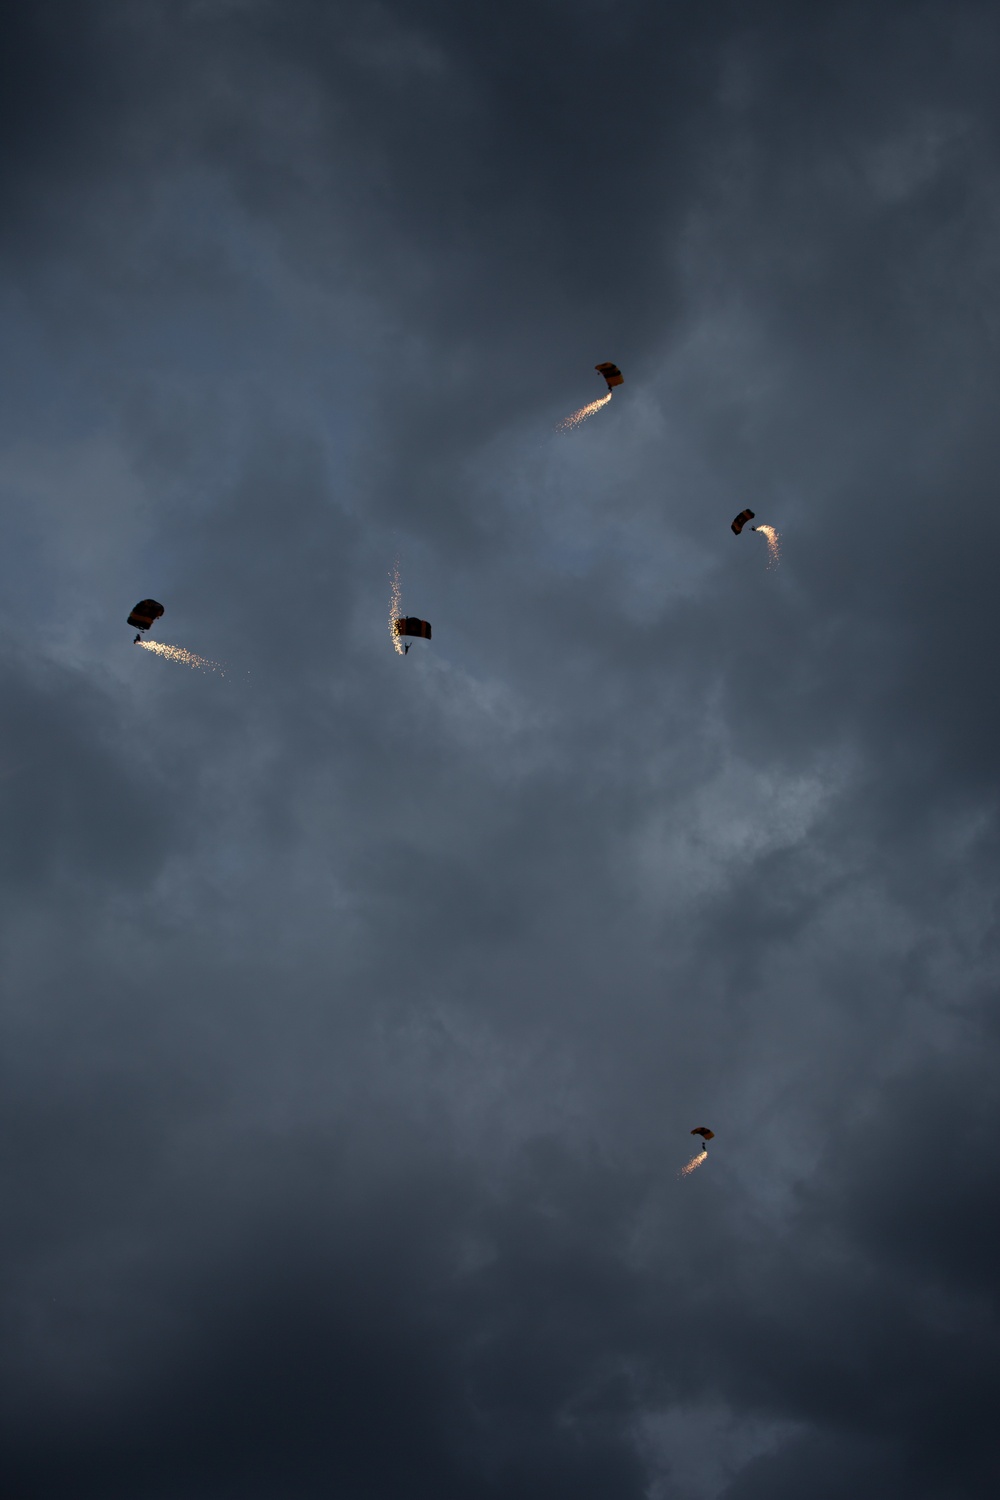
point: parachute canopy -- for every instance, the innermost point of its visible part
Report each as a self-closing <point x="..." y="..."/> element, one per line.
<point x="741" y="520"/>
<point x="704" y="1131"/>
<point x="412" y="626"/>
<point x="611" y="373"/>
<point x="145" y="612"/>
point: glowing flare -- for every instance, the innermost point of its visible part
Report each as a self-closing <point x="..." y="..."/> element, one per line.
<point x="178" y="653"/>
<point x="581" y="416"/>
<point x="693" y="1164"/>
<point x="773" y="540"/>
<point x="395" y="607"/>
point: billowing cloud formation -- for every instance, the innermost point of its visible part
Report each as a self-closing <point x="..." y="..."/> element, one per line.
<point x="357" y="1009"/>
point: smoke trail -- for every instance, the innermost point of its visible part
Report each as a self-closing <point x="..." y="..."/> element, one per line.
<point x="581" y="416"/>
<point x="694" y="1163"/>
<point x="773" y="540"/>
<point x="178" y="653"/>
<point x="395" y="607"/>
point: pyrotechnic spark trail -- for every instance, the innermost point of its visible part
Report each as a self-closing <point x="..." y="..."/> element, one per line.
<point x="178" y="653"/>
<point x="773" y="540"/>
<point x="395" y="607"/>
<point x="581" y="416"/>
<point x="693" y="1164"/>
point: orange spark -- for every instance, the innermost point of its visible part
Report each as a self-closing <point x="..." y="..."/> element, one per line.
<point x="178" y="653"/>
<point x="773" y="540"/>
<point x="581" y="416"/>
<point x="395" y="606"/>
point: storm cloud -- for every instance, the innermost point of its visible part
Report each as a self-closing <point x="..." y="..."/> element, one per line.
<point x="356" y="1010"/>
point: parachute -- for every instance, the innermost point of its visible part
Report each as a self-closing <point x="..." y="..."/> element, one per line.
<point x="703" y="1130"/>
<point x="612" y="374"/>
<point x="412" y="626"/>
<point x="741" y="520"/>
<point x="145" y="612"/>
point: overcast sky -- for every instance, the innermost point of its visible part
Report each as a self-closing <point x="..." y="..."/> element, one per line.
<point x="356" y="1009"/>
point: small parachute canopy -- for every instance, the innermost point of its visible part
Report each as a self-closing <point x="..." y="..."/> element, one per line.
<point x="145" y="612"/>
<point x="741" y="520"/>
<point x="412" y="626"/>
<point x="703" y="1130"/>
<point x="611" y="373"/>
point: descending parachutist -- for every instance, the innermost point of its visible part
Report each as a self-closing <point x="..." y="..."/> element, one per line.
<point x="144" y="614"/>
<point x="696" y="1161"/>
<point x="410" y="625"/>
<point x="614" y="377"/>
<point x="773" y="540"/>
<point x="611" y="373"/>
<point x="178" y="653"/>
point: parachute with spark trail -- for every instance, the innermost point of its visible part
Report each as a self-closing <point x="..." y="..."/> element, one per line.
<point x="614" y="377"/>
<point x="702" y="1155"/>
<point x="741" y="520"/>
<point x="409" y="625"/>
<point x="145" y="612"/>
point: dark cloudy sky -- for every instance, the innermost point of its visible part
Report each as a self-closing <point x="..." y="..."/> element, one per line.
<point x="356" y="1010"/>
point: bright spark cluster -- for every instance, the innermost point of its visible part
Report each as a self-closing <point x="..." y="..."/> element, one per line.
<point x="581" y="416"/>
<point x="773" y="540"/>
<point x="178" y="653"/>
<point x="693" y="1164"/>
<point x="395" y="607"/>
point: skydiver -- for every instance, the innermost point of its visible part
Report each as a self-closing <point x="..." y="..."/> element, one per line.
<point x="407" y="647"/>
<point x="138" y="638"/>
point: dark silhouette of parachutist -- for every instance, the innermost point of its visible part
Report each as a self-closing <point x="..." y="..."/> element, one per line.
<point x="144" y="614"/>
<point x="407" y="647"/>
<point x="138" y="638"/>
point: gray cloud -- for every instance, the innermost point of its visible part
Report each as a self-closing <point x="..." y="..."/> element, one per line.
<point x="357" y="1010"/>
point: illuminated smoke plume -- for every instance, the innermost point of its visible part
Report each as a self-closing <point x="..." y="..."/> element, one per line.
<point x="178" y="653"/>
<point x="395" y="607"/>
<point x="694" y="1163"/>
<point x="581" y="416"/>
<point x="773" y="540"/>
